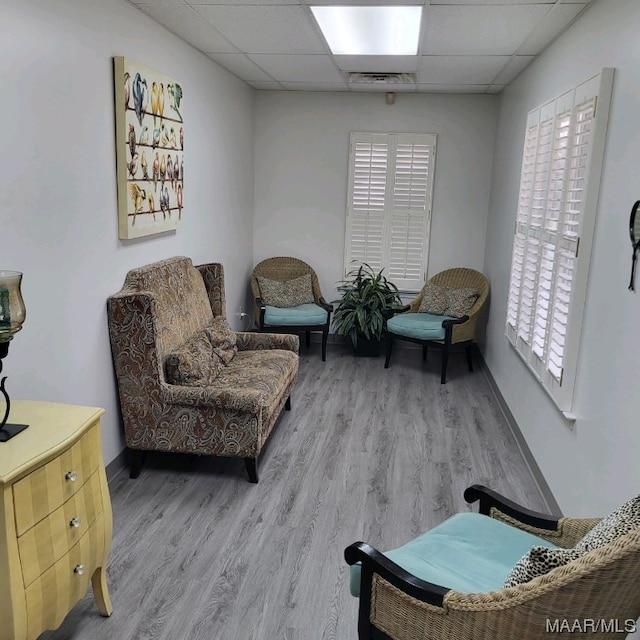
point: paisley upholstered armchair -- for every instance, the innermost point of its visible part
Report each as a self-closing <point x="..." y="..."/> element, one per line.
<point x="187" y="382"/>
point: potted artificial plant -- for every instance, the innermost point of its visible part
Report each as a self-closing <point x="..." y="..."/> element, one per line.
<point x="366" y="295"/>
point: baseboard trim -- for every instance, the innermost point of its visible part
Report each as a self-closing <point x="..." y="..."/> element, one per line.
<point x="116" y="466"/>
<point x="546" y="492"/>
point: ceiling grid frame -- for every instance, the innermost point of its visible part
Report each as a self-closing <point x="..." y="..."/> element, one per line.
<point x="466" y="46"/>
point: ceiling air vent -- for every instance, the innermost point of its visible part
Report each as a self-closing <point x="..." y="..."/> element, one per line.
<point x="382" y="78"/>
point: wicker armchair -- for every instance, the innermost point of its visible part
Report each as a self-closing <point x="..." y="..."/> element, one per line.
<point x="297" y="320"/>
<point x="429" y="330"/>
<point x="596" y="596"/>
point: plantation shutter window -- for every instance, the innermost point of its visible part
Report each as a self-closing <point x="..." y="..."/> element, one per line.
<point x="555" y="219"/>
<point x="389" y="204"/>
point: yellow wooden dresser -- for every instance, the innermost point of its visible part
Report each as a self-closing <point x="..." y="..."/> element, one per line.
<point x="55" y="517"/>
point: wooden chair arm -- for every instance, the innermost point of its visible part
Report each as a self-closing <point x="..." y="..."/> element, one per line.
<point x="454" y="321"/>
<point x="490" y="499"/>
<point x="375" y="562"/>
<point x="391" y="311"/>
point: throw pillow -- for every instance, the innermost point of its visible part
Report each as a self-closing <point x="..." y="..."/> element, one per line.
<point x="193" y="364"/>
<point x="434" y="299"/>
<point x="222" y="339"/>
<point x="621" y="521"/>
<point x="286" y="294"/>
<point x="460" y="301"/>
<point x="538" y="561"/>
<point x="445" y="301"/>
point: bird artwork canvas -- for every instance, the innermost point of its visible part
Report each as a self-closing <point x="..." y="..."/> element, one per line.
<point x="149" y="150"/>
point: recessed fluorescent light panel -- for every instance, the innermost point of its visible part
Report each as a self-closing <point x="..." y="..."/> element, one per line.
<point x="370" y="31"/>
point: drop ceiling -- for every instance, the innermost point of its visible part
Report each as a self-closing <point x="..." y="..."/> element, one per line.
<point x="466" y="46"/>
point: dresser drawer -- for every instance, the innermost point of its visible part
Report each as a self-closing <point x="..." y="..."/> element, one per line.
<point x="46" y="488"/>
<point x="57" y="590"/>
<point x="53" y="536"/>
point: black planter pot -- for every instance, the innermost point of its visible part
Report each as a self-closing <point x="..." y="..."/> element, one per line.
<point x="368" y="347"/>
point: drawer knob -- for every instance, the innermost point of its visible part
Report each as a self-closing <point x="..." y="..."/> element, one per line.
<point x="74" y="522"/>
<point x="78" y="569"/>
<point x="71" y="476"/>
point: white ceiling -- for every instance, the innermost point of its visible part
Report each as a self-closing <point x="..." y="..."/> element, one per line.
<point x="467" y="46"/>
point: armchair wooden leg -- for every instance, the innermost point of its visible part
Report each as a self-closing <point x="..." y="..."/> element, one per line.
<point x="252" y="469"/>
<point x="137" y="460"/>
<point x="468" y="350"/>
<point x="307" y="338"/>
<point x="425" y="349"/>
<point x="445" y="361"/>
<point x="389" y="347"/>
<point x="325" y="335"/>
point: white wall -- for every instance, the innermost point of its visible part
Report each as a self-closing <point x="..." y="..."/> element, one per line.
<point x="58" y="209"/>
<point x="593" y="466"/>
<point x="301" y="172"/>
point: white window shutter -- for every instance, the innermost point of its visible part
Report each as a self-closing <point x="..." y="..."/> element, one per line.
<point x="517" y="270"/>
<point x="365" y="213"/>
<point x="560" y="314"/>
<point x="577" y="170"/>
<point x="561" y="164"/>
<point x="389" y="210"/>
<point x="529" y="287"/>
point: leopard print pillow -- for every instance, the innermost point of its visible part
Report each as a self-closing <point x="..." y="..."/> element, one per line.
<point x="434" y="299"/>
<point x="446" y="301"/>
<point x="538" y="561"/>
<point x="621" y="521"/>
<point x="460" y="301"/>
<point x="286" y="294"/>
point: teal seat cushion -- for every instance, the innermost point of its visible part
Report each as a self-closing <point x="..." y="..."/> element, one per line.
<point x="303" y="314"/>
<point x="423" y="326"/>
<point x="468" y="552"/>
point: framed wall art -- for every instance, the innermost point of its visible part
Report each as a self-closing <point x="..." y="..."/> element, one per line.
<point x="149" y="150"/>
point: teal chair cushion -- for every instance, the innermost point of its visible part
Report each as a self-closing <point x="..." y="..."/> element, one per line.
<point x="303" y="314"/>
<point x="423" y="326"/>
<point x="468" y="552"/>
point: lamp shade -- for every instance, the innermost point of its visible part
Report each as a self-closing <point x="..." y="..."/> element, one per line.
<point x="12" y="310"/>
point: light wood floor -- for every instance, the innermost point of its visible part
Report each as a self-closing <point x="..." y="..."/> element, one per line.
<point x="366" y="453"/>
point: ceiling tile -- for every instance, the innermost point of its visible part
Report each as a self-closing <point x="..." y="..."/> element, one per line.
<point x="240" y="65"/>
<point x="196" y="3"/>
<point x="315" y="86"/>
<point x="553" y="24"/>
<point x="377" y="64"/>
<point x="159" y="2"/>
<point x="495" y="2"/>
<point x="460" y="69"/>
<point x="298" y="68"/>
<point x="513" y="69"/>
<point x="267" y="86"/>
<point x="479" y="30"/>
<point x="453" y="88"/>
<point x="185" y="22"/>
<point x="360" y="3"/>
<point x="265" y="29"/>
<point x="384" y="88"/>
